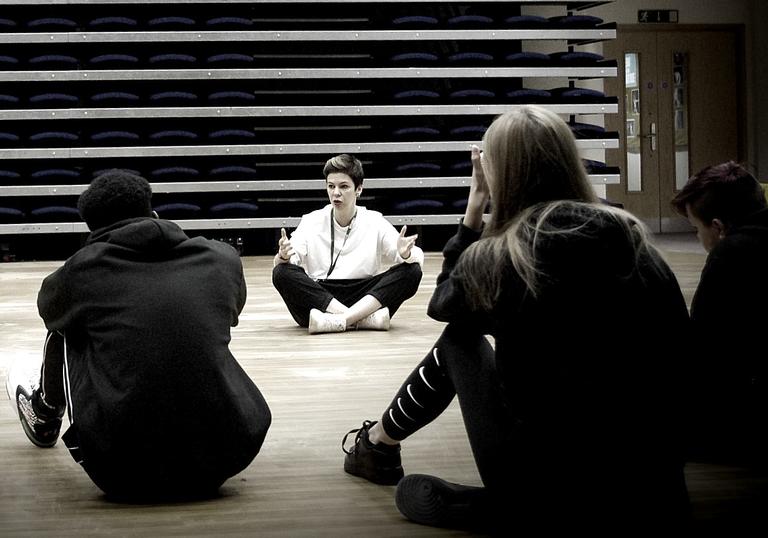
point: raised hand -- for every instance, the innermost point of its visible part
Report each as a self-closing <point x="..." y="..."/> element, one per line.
<point x="405" y="243"/>
<point x="479" y="193"/>
<point x="284" y="249"/>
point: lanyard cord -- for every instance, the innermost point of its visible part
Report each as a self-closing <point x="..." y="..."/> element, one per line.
<point x="333" y="244"/>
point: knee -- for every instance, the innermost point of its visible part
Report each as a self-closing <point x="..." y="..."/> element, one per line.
<point x="412" y="276"/>
<point x="281" y="274"/>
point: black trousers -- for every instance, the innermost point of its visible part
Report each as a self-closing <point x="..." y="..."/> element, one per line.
<point x="571" y="481"/>
<point x="301" y="294"/>
<point x="52" y="372"/>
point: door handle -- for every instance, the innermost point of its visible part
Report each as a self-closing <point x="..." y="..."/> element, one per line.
<point x="652" y="136"/>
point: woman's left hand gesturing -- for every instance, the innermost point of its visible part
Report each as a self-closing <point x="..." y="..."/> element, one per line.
<point x="405" y="243"/>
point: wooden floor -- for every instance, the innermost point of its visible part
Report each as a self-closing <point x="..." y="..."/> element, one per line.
<point x="318" y="387"/>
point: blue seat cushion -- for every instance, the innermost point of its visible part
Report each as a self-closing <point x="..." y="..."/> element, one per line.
<point x="55" y="174"/>
<point x="429" y="206"/>
<point x="54" y="99"/>
<point x="117" y="137"/>
<point x="172" y="134"/>
<point x="472" y="94"/>
<point x="7" y="25"/>
<point x="470" y="57"/>
<point x="8" y="61"/>
<point x="578" y="95"/>
<point x="54" y="137"/>
<point x="8" y="138"/>
<point x="232" y="96"/>
<point x="11" y="215"/>
<point x="418" y="168"/>
<point x="415" y="21"/>
<point x="177" y="210"/>
<point x="173" y="96"/>
<point x="526" y="21"/>
<point x="528" y="59"/>
<point x="526" y="95"/>
<point x="576" y="58"/>
<point x="113" y="59"/>
<point x="114" y="22"/>
<point x="231" y="134"/>
<point x="229" y="22"/>
<point x="55" y="60"/>
<point x="230" y="58"/>
<point x="233" y="173"/>
<point x="414" y="57"/>
<point x="8" y="100"/>
<point x="172" y="58"/>
<point x="474" y="132"/>
<point x="416" y="132"/>
<point x="234" y="209"/>
<point x="586" y="130"/>
<point x="105" y="97"/>
<point x="470" y="21"/>
<point x="415" y="95"/>
<point x="52" y="23"/>
<point x="9" y="175"/>
<point x="171" y="21"/>
<point x="174" y="173"/>
<point x="575" y="21"/>
<point x="55" y="214"/>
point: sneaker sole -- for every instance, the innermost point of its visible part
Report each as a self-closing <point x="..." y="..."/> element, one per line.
<point x="429" y="500"/>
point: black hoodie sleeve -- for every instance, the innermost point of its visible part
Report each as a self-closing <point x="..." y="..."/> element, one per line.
<point x="448" y="302"/>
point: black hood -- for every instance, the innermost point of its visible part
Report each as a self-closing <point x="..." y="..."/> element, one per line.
<point x="144" y="234"/>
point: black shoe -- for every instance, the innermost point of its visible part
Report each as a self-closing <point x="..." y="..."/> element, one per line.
<point x="428" y="500"/>
<point x="378" y="463"/>
<point x="41" y="429"/>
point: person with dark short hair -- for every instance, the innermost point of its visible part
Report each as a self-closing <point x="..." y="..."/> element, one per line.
<point x="729" y="369"/>
<point x="138" y="354"/>
<point x="345" y="266"/>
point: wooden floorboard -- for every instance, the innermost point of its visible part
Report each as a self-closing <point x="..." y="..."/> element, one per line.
<point x="318" y="387"/>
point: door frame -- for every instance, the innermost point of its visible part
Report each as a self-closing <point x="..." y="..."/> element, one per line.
<point x="666" y="221"/>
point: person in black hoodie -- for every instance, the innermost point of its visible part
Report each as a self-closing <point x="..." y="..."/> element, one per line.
<point x="137" y="353"/>
<point x="728" y="376"/>
<point x="573" y="416"/>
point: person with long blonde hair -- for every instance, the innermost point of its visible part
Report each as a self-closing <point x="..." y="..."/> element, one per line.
<point x="573" y="415"/>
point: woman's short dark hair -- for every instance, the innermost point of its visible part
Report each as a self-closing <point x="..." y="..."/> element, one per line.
<point x="113" y="196"/>
<point x="345" y="164"/>
<point x="725" y="191"/>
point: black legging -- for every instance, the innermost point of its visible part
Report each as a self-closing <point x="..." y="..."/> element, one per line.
<point x="462" y="365"/>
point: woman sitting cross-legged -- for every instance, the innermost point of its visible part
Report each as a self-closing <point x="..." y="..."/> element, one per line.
<point x="573" y="416"/>
<point x="331" y="272"/>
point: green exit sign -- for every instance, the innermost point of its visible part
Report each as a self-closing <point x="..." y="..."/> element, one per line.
<point x="656" y="15"/>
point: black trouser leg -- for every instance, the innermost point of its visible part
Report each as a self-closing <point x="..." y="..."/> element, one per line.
<point x="52" y="375"/>
<point x="463" y="365"/>
<point x="300" y="293"/>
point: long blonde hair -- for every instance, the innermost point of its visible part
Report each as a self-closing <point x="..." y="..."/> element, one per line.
<point x="531" y="157"/>
<point x="534" y="173"/>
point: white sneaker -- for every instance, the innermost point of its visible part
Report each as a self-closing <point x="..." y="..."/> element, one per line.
<point x="325" y="322"/>
<point x="378" y="321"/>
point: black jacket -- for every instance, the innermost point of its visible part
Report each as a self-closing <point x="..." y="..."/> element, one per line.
<point x="158" y="400"/>
<point x="729" y="313"/>
<point x="591" y="371"/>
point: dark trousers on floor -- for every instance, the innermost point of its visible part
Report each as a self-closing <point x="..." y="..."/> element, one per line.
<point x="301" y="294"/>
<point x="52" y="372"/>
<point x="541" y="480"/>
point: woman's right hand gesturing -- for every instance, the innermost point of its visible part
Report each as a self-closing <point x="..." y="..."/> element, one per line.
<point x="284" y="248"/>
<point x="479" y="193"/>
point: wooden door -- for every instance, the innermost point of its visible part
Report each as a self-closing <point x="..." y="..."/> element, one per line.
<point x="680" y="109"/>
